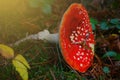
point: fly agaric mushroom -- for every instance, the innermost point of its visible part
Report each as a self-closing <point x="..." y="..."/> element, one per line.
<point x="76" y="38"/>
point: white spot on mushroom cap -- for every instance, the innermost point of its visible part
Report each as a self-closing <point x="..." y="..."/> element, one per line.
<point x="82" y="29"/>
<point x="81" y="65"/>
<point x="87" y="54"/>
<point x="81" y="57"/>
<point x="76" y="34"/>
<point x="83" y="48"/>
<point x="86" y="58"/>
<point x="80" y="46"/>
<point x="80" y="12"/>
<point x="78" y="53"/>
<point x="78" y="58"/>
<point x="74" y="31"/>
<point x="76" y="38"/>
<point x="84" y="13"/>
<point x="74" y="57"/>
<point x="80" y="34"/>
<point x="71" y="37"/>
<point x="89" y="39"/>
<point x="83" y="34"/>
<point x="88" y="62"/>
<point x="86" y="30"/>
<point x="83" y="22"/>
<point x="82" y="53"/>
<point x="73" y="41"/>
<point x="86" y="25"/>
<point x="82" y="39"/>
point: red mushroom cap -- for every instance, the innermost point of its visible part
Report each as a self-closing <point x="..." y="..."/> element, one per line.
<point x="76" y="38"/>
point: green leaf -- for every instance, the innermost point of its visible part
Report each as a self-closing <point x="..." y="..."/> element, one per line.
<point x="34" y="3"/>
<point x="83" y="78"/>
<point x="106" y="69"/>
<point x="93" y="26"/>
<point x="93" y="23"/>
<point x="6" y="52"/>
<point x="114" y="21"/>
<point x="21" y="69"/>
<point x="104" y="26"/>
<point x="101" y="77"/>
<point x="48" y="1"/>
<point x="44" y="5"/>
<point x="117" y="57"/>
<point x="118" y="26"/>
<point x="46" y="8"/>
<point x="110" y="54"/>
<point x="21" y="59"/>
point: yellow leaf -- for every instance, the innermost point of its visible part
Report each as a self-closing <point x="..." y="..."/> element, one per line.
<point x="6" y="51"/>
<point x="21" y="69"/>
<point x="21" y="59"/>
<point x="115" y="35"/>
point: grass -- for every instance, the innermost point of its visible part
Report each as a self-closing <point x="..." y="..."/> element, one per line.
<point x="46" y="64"/>
<point x="44" y="61"/>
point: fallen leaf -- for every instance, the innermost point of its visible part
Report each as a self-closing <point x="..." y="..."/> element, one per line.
<point x="21" y="69"/>
<point x="21" y="59"/>
<point x="6" y="52"/>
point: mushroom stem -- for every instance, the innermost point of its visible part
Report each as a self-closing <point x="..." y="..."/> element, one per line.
<point x="44" y="35"/>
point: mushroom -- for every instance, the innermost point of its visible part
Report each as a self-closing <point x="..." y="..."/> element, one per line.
<point x="75" y="38"/>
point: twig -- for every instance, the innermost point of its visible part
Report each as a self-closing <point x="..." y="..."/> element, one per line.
<point x="51" y="72"/>
<point x="99" y="61"/>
